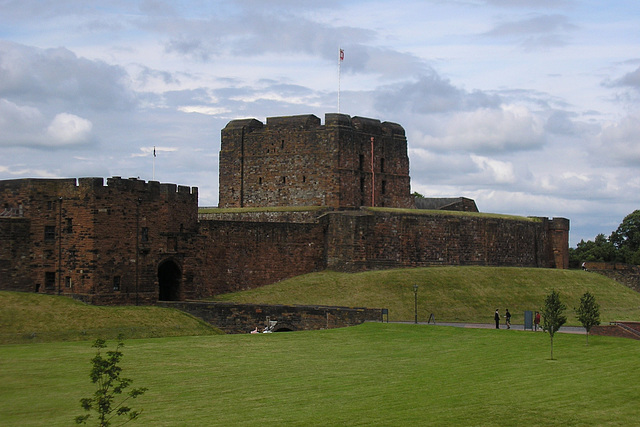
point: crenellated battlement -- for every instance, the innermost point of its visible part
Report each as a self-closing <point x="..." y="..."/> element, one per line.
<point x="153" y="187"/>
<point x="312" y="122"/>
<point x="296" y="161"/>
<point x="69" y="187"/>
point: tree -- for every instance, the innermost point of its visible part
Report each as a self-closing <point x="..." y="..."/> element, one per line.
<point x="626" y="238"/>
<point x="588" y="312"/>
<point x="601" y="250"/>
<point x="623" y="245"/>
<point x="552" y="314"/>
<point x="105" y="372"/>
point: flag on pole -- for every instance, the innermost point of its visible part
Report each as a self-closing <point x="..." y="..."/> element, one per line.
<point x="154" y="151"/>
<point x="340" y="59"/>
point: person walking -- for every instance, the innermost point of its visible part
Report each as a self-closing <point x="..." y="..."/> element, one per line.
<point x="536" y="321"/>
<point x="496" y="317"/>
<point x="508" y="319"/>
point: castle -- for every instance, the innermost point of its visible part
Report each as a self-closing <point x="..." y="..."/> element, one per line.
<point x="295" y="161"/>
<point x="296" y="197"/>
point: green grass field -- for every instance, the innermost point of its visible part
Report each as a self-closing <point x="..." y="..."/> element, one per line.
<point x="35" y="318"/>
<point x="373" y="374"/>
<point x="456" y="294"/>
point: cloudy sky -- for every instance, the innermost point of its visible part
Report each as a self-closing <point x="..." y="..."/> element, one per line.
<point x="530" y="107"/>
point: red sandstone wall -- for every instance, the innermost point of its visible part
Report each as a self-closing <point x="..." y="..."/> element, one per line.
<point x="628" y="275"/>
<point x="244" y="255"/>
<point x="295" y="161"/>
<point x="619" y="330"/>
<point x="97" y="234"/>
<point x="14" y="255"/>
<point x="241" y="255"/>
<point x="373" y="240"/>
<point x="559" y="241"/>
<point x="105" y="241"/>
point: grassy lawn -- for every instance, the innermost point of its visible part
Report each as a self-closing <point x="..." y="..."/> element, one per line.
<point x="373" y="374"/>
<point x="439" y="212"/>
<point x="468" y="294"/>
<point x="34" y="318"/>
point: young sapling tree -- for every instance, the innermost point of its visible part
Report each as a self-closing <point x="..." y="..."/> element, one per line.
<point x="552" y="315"/>
<point x="588" y="312"/>
<point x="105" y="372"/>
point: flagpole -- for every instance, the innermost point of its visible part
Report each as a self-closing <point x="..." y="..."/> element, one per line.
<point x="153" y="175"/>
<point x="340" y="58"/>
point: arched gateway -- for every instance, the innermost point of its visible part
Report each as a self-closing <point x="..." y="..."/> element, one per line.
<point x="169" y="278"/>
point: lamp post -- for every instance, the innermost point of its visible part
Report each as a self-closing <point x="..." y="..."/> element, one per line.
<point x="415" y="301"/>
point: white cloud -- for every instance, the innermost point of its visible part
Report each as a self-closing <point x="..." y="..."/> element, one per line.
<point x="19" y="170"/>
<point x="201" y="109"/>
<point x="27" y="126"/>
<point x="69" y="129"/>
<point x="621" y="140"/>
<point x="17" y="121"/>
<point x="631" y="79"/>
<point x="508" y="128"/>
<point x="499" y="172"/>
<point x="59" y="76"/>
<point x="536" y="32"/>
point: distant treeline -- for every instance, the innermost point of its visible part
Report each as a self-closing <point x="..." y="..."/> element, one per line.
<point x="623" y="245"/>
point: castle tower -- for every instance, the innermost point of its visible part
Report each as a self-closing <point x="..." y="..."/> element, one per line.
<point x="296" y="161"/>
<point x="126" y="242"/>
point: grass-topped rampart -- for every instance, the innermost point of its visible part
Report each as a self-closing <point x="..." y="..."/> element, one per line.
<point x="460" y="294"/>
<point x="433" y="212"/>
<point x="28" y="317"/>
<point x="430" y="212"/>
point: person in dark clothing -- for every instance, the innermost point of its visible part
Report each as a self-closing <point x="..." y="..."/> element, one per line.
<point x="496" y="317"/>
<point x="508" y="319"/>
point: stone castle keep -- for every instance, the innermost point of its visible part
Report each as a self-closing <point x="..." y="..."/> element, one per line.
<point x="294" y="161"/>
<point x="333" y="196"/>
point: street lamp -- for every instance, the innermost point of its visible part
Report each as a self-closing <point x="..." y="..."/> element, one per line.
<point x="415" y="300"/>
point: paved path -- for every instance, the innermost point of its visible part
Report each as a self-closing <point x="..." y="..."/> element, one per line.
<point x="564" y="329"/>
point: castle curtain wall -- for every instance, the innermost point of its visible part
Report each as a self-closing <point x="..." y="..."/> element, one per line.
<point x="110" y="243"/>
<point x="375" y="240"/>
<point x="256" y="249"/>
<point x="243" y="255"/>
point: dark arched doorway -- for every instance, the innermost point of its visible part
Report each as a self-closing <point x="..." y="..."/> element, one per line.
<point x="283" y="327"/>
<point x="169" y="278"/>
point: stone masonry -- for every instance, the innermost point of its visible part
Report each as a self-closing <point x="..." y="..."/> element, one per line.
<point x="296" y="161"/>
<point x="296" y="197"/>
<point x="242" y="318"/>
<point x="103" y="244"/>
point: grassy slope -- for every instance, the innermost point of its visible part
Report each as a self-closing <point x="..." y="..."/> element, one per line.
<point x="468" y="294"/>
<point x="204" y="210"/>
<point x="28" y="317"/>
<point x="373" y="374"/>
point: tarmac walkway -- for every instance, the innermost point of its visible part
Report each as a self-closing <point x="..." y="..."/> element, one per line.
<point x="564" y="329"/>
